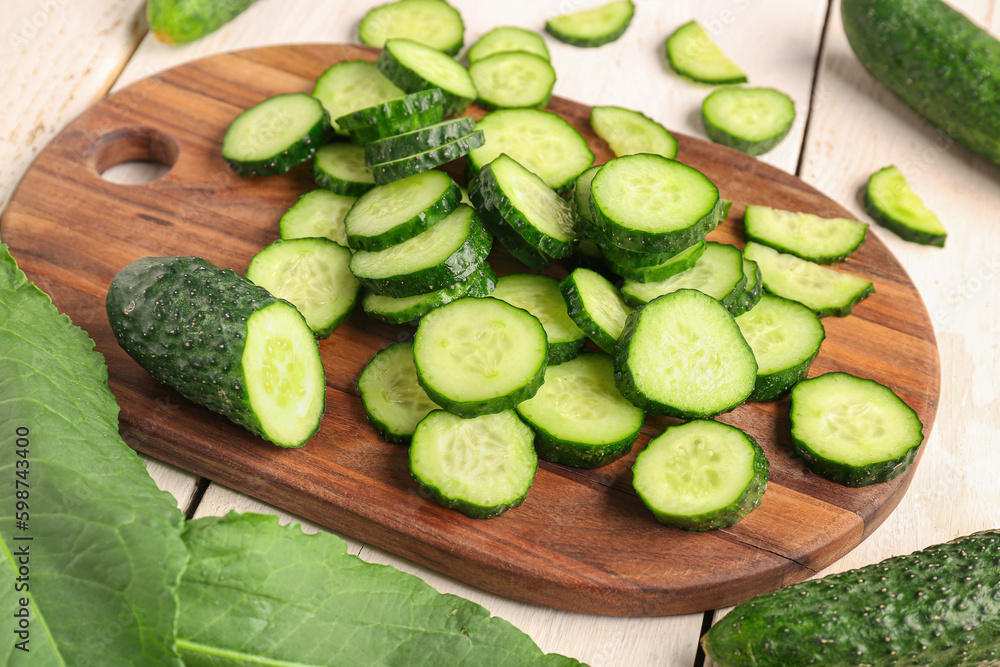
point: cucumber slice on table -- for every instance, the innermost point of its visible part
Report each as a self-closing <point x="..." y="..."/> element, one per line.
<point x="478" y="356"/>
<point x="415" y="67"/>
<point x="785" y="337"/>
<point x="351" y="85"/>
<point x="701" y="475"/>
<point x="507" y="38"/>
<point x="341" y="168"/>
<point x="312" y="274"/>
<point x="407" y="309"/>
<point x="395" y="212"/>
<point x="318" y="213"/>
<point x="852" y="430"/>
<point x="391" y="110"/>
<point x="540" y="295"/>
<point x="440" y="257"/>
<point x="592" y="27"/>
<point x="273" y="136"/>
<point x="481" y="466"/>
<point x="718" y="273"/>
<point x="387" y="172"/>
<point x="393" y="399"/>
<point x="431" y="22"/>
<point x="417" y="141"/>
<point x="222" y="342"/>
<point x="752" y="120"/>
<point x="651" y="203"/>
<point x="541" y="141"/>
<point x="826" y="291"/>
<point x="683" y="355"/>
<point x="628" y="132"/>
<point x="891" y="202"/>
<point x="691" y="52"/>
<point x="805" y="235"/>
<point x="579" y="417"/>
<point x="513" y="79"/>
<point x="596" y="306"/>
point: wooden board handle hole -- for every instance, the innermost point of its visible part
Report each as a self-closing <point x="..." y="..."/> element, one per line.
<point x="134" y="156"/>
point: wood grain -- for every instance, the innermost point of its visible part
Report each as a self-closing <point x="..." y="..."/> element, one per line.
<point x="582" y="541"/>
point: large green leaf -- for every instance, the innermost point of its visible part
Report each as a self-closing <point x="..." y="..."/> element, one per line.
<point x="105" y="553"/>
<point x="255" y="592"/>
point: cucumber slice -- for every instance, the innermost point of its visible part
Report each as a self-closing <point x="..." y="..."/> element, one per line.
<point x="820" y="240"/>
<point x="852" y="430"/>
<point x="579" y="417"/>
<point x="507" y="38"/>
<point x="651" y="203"/>
<point x="415" y="67"/>
<point x="540" y="216"/>
<point x="393" y="399"/>
<point x="313" y="275"/>
<point x="409" y="309"/>
<point x="387" y="172"/>
<point x="701" y="475"/>
<point x="717" y="273"/>
<point x="826" y="291"/>
<point x="417" y="141"/>
<point x="317" y="214"/>
<point x="509" y="239"/>
<point x="581" y="199"/>
<point x="540" y="295"/>
<point x="431" y="22"/>
<point x="891" y="202"/>
<point x="391" y="110"/>
<point x="751" y="292"/>
<point x="692" y="53"/>
<point x="629" y="132"/>
<point x="373" y="132"/>
<point x="341" y="168"/>
<point x="682" y="355"/>
<point x="275" y="135"/>
<point x="592" y="27"/>
<point x="513" y="79"/>
<point x="482" y="466"/>
<point x="676" y="263"/>
<point x="596" y="306"/>
<point x="351" y="85"/>
<point x="752" y="120"/>
<point x="785" y="337"/>
<point x="395" y="212"/>
<point x="540" y="140"/>
<point x="438" y="258"/>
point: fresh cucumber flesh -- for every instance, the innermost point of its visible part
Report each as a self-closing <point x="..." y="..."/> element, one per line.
<point x="805" y="235"/>
<point x="341" y="168"/>
<point x="596" y="306"/>
<point x="519" y="249"/>
<point x="414" y="67"/>
<point x="273" y="136"/>
<point x="513" y="80"/>
<point x="351" y="85"/>
<point x="592" y="27"/>
<point x="431" y="22"/>
<point x="317" y="214"/>
<point x="393" y="399"/>
<point x="751" y="120"/>
<point x="581" y="198"/>
<point x="692" y="53"/>
<point x="629" y="132"/>
<point x="540" y="295"/>
<point x="507" y="38"/>
<point x="717" y="273"/>
<point x="891" y="202"/>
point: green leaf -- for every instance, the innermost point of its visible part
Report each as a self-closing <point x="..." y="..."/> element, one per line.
<point x="258" y="593"/>
<point x="105" y="554"/>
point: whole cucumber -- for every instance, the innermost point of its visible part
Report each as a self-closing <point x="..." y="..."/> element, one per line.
<point x="183" y="21"/>
<point x="935" y="607"/>
<point x="937" y="61"/>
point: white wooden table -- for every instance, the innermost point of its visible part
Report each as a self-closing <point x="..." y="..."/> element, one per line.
<point x="57" y="57"/>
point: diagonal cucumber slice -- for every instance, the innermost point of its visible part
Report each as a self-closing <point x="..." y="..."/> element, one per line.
<point x="692" y="53"/>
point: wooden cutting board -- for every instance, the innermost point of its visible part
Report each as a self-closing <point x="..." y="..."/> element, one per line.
<point x="582" y="541"/>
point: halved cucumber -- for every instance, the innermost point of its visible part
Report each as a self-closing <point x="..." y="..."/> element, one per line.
<point x="805" y="235"/>
<point x="341" y="168"/>
<point x="507" y="38"/>
<point x="408" y="309"/>
<point x="431" y="22"/>
<point x="891" y="202"/>
<point x="785" y="337"/>
<point x="826" y="291"/>
<point x="387" y="172"/>
<point x="395" y="212"/>
<point x="717" y="273"/>
<point x="391" y="110"/>
<point x="629" y="132"/>
<point x="596" y="306"/>
<point x="478" y="356"/>
<point x="414" y="67"/>
<point x="677" y="262"/>
<point x="592" y="27"/>
<point x="682" y="355"/>
<point x="701" y="475"/>
<point x="317" y="214"/>
<point x="393" y="399"/>
<point x="513" y="79"/>
<point x="540" y="295"/>
<point x="692" y="53"/>
<point x="312" y="274"/>
<point x="579" y="417"/>
<point x="417" y="141"/>
<point x="350" y="85"/>
<point x="752" y="120"/>
<point x="852" y="430"/>
<point x="481" y="466"/>
<point x="273" y="136"/>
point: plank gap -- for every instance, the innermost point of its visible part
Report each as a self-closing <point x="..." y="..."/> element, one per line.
<point x="706" y="624"/>
<point x="812" y="87"/>
<point x="199" y="493"/>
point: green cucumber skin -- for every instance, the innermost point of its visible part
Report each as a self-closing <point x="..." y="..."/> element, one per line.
<point x="750" y="295"/>
<point x="503" y="232"/>
<point x="421" y="222"/>
<point x="776" y="385"/>
<point x="606" y="38"/>
<point x="900" y="228"/>
<point x="659" y="271"/>
<point x="452" y="103"/>
<point x="555" y="450"/>
<point x="724" y="138"/>
<point x="418" y="141"/>
<point x="576" y="307"/>
<point x="387" y="172"/>
<point x="184" y="321"/>
<point x="363" y="134"/>
<point x="184" y="21"/>
<point x="853" y="476"/>
<point x="478" y="283"/>
<point x="937" y="607"/>
<point x="937" y="61"/>
<point x="391" y="110"/>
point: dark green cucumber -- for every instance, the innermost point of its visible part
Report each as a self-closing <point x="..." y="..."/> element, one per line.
<point x="362" y="134"/>
<point x="390" y="110"/>
<point x="891" y="202"/>
<point x="417" y="141"/>
<point x="387" y="172"/>
<point x="675" y="263"/>
<point x="752" y="291"/>
<point x="184" y="21"/>
<point x="937" y="607"/>
<point x="222" y="342"/>
<point x="519" y="249"/>
<point x="937" y="61"/>
<point x="350" y="85"/>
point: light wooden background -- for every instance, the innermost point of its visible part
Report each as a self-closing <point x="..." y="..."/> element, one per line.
<point x="59" y="56"/>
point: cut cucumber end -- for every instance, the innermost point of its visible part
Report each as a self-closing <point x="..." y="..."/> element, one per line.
<point x="592" y="27"/>
<point x="692" y="53"/>
<point x="891" y="202"/>
<point x="629" y="132"/>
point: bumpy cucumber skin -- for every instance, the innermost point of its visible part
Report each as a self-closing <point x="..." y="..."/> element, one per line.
<point x="184" y="320"/>
<point x="724" y="138"/>
<point x="296" y="154"/>
<point x="184" y="21"/>
<point x="387" y="172"/>
<point x="660" y="270"/>
<point x="937" y="61"/>
<point x="937" y="607"/>
<point x="898" y="227"/>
